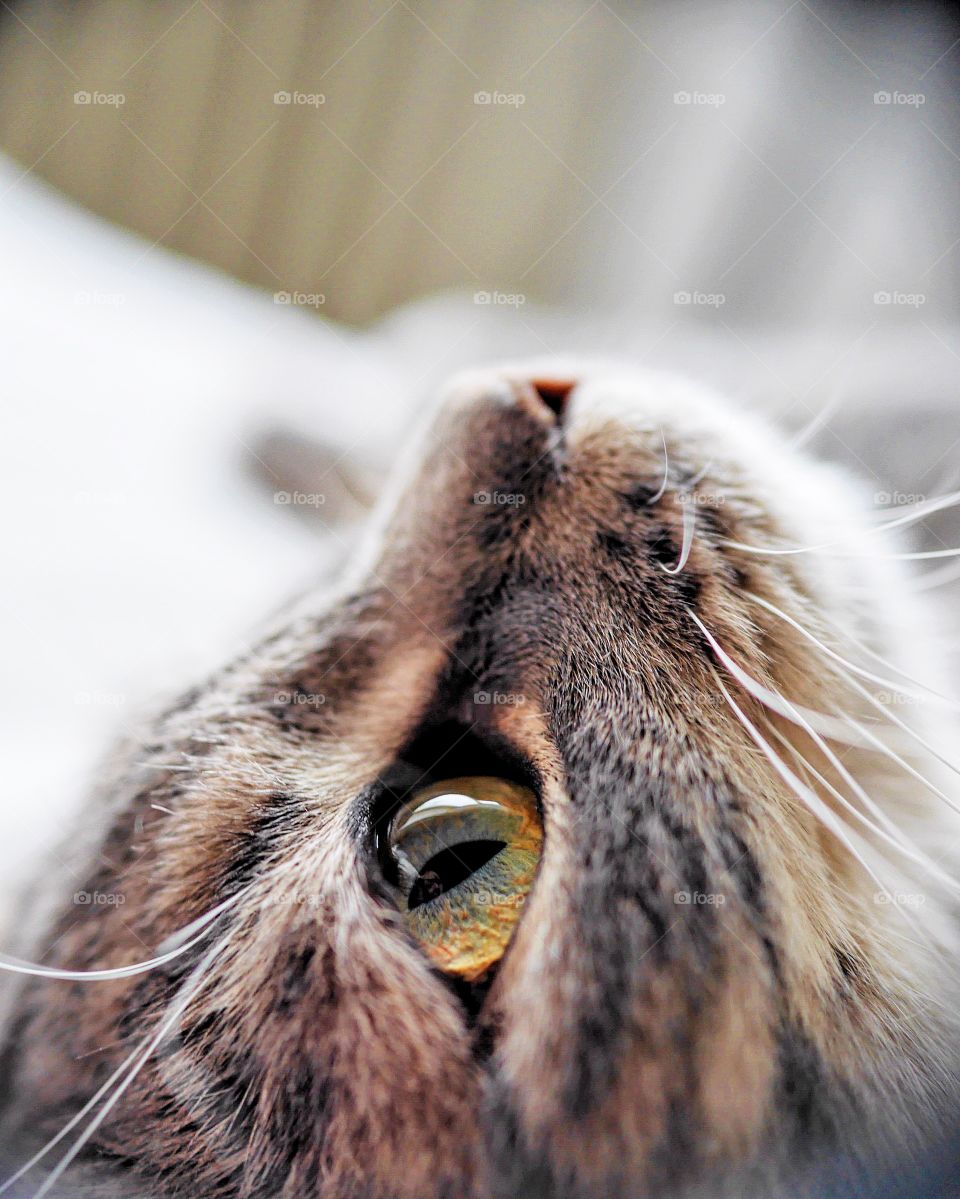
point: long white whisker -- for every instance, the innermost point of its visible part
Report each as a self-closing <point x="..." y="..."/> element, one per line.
<point x="871" y="699"/>
<point x="938" y="578"/>
<point x="859" y="670"/>
<point x="830" y="727"/>
<point x="689" y="525"/>
<point x="666" y="472"/>
<point x="888" y="664"/>
<point x="913" y="512"/>
<point x="191" y="988"/>
<point x="816" y="424"/>
<point x="179" y="942"/>
<point x="893" y="836"/>
<point x="914" y="735"/>
<point x="826" y="551"/>
<point x="917" y="512"/>
<point x="903" y="764"/>
<point x="807" y="796"/>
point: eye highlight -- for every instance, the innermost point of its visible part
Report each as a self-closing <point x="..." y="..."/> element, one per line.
<point x="465" y="852"/>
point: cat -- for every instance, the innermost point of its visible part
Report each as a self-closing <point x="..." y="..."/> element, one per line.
<point x="586" y="839"/>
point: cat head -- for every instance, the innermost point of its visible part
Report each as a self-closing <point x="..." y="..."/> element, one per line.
<point x="549" y="855"/>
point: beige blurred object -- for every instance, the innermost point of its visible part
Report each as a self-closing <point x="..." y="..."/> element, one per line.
<point x="421" y="145"/>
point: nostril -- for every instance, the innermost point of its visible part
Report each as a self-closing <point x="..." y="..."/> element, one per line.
<point x="554" y="393"/>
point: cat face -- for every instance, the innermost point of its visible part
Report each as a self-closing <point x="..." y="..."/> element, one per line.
<point x="523" y="881"/>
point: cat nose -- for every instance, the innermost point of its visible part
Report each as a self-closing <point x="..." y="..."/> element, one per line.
<point x="546" y="396"/>
<point x="555" y="393"/>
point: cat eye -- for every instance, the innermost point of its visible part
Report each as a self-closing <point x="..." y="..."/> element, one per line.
<point x="465" y="852"/>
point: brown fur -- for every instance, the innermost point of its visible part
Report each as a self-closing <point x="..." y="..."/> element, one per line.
<point x="628" y="1044"/>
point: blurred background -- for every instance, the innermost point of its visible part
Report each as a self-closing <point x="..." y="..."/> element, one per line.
<point x="233" y="227"/>
<point x="793" y="158"/>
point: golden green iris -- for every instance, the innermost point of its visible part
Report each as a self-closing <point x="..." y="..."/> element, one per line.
<point x="467" y="851"/>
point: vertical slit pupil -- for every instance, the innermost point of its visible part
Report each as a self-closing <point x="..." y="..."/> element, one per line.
<point x="446" y="869"/>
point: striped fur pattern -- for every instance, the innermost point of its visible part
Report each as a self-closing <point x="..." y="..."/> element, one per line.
<point x="715" y="986"/>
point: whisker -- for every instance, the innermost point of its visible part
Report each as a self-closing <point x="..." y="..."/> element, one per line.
<point x="807" y="796"/>
<point x="179" y="943"/>
<point x="893" y="836"/>
<point x="689" y="525"/>
<point x="198" y="979"/>
<point x="864" y="648"/>
<point x="666" y="472"/>
<point x="825" y="550"/>
<point x="866" y="674"/>
<point x="819" y="420"/>
<point x="905" y="765"/>
<point x="938" y="578"/>
<point x="830" y="727"/>
<point x="914" y="735"/>
<point x="871" y="699"/>
<point x="918" y="511"/>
